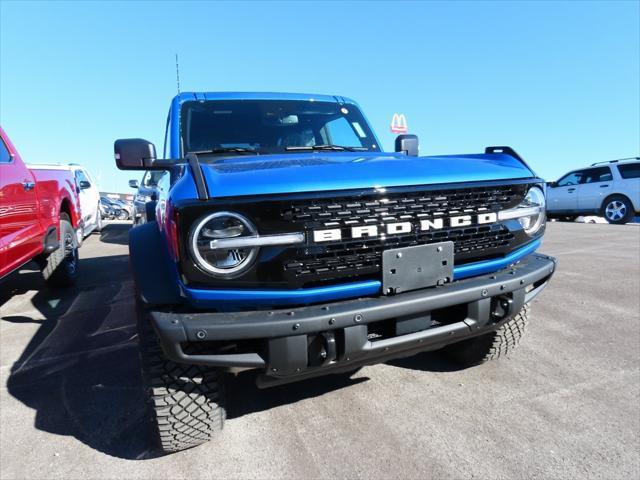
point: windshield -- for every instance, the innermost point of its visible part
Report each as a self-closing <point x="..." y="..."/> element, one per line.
<point x="272" y="126"/>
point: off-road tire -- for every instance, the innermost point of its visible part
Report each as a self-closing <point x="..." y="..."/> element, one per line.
<point x="492" y="345"/>
<point x="621" y="202"/>
<point x="185" y="402"/>
<point x="60" y="268"/>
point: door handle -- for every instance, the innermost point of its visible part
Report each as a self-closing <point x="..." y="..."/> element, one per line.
<point x="571" y="190"/>
<point x="27" y="185"/>
<point x="604" y="186"/>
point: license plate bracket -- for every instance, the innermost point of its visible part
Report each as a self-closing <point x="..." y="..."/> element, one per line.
<point x="420" y="266"/>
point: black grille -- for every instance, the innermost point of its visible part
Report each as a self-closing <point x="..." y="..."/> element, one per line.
<point x="363" y="256"/>
<point x="314" y="264"/>
<point x="349" y="211"/>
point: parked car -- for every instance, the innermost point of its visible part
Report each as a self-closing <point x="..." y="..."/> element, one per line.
<point x="610" y="189"/>
<point x="39" y="218"/>
<point x="107" y="211"/>
<point x="147" y="193"/>
<point x="88" y="194"/>
<point x="285" y="240"/>
<point x="117" y="212"/>
<point x="126" y="209"/>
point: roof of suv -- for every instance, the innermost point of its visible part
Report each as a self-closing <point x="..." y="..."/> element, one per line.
<point x="619" y="160"/>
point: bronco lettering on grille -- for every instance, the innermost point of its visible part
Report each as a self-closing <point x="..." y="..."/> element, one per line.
<point x="399" y="228"/>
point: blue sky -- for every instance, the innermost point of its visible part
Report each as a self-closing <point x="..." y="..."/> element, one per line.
<point x="559" y="82"/>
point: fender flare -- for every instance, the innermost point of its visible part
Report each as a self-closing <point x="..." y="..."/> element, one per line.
<point x="154" y="275"/>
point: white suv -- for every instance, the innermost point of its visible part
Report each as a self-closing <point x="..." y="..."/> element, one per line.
<point x="610" y="189"/>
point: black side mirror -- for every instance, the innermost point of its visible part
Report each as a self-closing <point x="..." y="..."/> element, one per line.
<point x="552" y="184"/>
<point x="84" y="184"/>
<point x="134" y="154"/>
<point x="407" y="144"/>
<point x="133" y="183"/>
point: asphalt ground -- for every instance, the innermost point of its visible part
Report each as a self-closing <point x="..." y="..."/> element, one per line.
<point x="564" y="405"/>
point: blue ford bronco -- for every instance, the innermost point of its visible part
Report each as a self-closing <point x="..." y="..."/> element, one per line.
<point x="284" y="239"/>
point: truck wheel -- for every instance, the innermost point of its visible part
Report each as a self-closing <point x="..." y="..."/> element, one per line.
<point x="98" y="228"/>
<point x="186" y="402"/>
<point x="60" y="268"/>
<point x="617" y="209"/>
<point x="492" y="345"/>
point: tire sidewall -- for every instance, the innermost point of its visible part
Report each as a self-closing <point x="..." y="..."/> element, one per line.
<point x="629" y="209"/>
<point x="98" y="221"/>
<point x="68" y="263"/>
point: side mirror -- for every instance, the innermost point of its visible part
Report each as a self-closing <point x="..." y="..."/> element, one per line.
<point x="84" y="184"/>
<point x="552" y="184"/>
<point x="134" y="154"/>
<point x="407" y="144"/>
<point x="133" y="183"/>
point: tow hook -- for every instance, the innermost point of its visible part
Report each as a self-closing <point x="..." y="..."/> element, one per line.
<point x="501" y="307"/>
<point x="322" y="349"/>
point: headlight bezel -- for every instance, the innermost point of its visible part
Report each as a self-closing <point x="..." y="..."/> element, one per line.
<point x="540" y="203"/>
<point x="226" y="273"/>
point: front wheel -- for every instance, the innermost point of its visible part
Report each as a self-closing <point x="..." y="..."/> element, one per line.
<point x="60" y="268"/>
<point x="98" y="221"/>
<point x="186" y="402"/>
<point x="617" y="210"/>
<point x="123" y="215"/>
<point x="492" y="345"/>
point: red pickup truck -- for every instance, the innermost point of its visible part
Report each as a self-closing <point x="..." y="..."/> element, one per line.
<point x="39" y="218"/>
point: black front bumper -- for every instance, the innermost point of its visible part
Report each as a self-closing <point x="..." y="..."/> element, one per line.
<point x="286" y="341"/>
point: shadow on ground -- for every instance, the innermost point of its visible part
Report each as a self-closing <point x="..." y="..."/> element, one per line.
<point x="117" y="233"/>
<point x="81" y="371"/>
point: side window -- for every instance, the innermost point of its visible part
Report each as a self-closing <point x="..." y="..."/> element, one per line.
<point x="630" y="170"/>
<point x="89" y="177"/>
<point x="5" y="157"/>
<point x="163" y="181"/>
<point x="340" y="132"/>
<point x="597" y="175"/>
<point x="150" y="179"/>
<point x="81" y="177"/>
<point x="573" y="178"/>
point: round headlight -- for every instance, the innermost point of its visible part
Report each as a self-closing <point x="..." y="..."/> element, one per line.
<point x="211" y="250"/>
<point x="534" y="200"/>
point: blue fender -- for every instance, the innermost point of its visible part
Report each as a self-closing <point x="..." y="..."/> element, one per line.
<point x="152" y="270"/>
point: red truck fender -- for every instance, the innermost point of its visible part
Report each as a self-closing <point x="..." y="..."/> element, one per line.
<point x="31" y="203"/>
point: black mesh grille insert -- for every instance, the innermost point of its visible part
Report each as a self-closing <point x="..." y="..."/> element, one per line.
<point x="346" y="211"/>
<point x="361" y="257"/>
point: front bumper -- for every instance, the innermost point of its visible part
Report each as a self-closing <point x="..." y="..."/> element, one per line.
<point x="304" y="342"/>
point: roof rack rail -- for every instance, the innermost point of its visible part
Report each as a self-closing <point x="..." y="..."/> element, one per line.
<point x="616" y="160"/>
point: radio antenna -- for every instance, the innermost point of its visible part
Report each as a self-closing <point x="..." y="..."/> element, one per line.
<point x="178" y="74"/>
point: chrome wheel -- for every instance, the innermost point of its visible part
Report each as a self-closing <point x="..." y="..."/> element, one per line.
<point x="615" y="210"/>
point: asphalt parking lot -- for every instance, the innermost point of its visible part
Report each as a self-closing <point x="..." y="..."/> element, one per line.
<point x="565" y="405"/>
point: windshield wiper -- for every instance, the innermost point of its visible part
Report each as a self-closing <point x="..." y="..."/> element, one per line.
<point x="250" y="151"/>
<point x="336" y="148"/>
